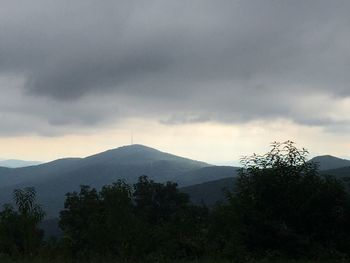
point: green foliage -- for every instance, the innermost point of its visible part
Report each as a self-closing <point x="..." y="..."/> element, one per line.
<point x="156" y="202"/>
<point x="81" y="213"/>
<point x="25" y="201"/>
<point x="19" y="233"/>
<point x="286" y="206"/>
<point x="176" y="227"/>
<point x="99" y="223"/>
<point x="146" y="221"/>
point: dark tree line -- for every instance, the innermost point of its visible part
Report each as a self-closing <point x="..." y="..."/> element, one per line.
<point x="151" y="220"/>
<point x="281" y="208"/>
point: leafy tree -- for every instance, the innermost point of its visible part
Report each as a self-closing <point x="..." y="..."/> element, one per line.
<point x="122" y="229"/>
<point x="177" y="229"/>
<point x="30" y="215"/>
<point x="79" y="220"/>
<point x="156" y="202"/>
<point x="285" y="205"/>
<point x="19" y="232"/>
<point x="100" y="223"/>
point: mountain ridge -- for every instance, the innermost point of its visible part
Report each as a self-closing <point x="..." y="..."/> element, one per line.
<point x="16" y="163"/>
<point x="54" y="179"/>
<point x="329" y="162"/>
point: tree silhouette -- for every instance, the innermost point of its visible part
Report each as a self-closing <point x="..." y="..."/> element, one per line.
<point x="285" y="204"/>
<point x="25" y="201"/>
<point x="19" y="229"/>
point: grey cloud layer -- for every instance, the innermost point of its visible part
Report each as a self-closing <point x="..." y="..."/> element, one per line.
<point x="90" y="63"/>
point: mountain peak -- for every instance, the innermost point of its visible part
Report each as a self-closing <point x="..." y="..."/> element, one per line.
<point x="126" y="150"/>
<point x="135" y="147"/>
<point x="137" y="154"/>
<point x="328" y="162"/>
<point x="326" y="156"/>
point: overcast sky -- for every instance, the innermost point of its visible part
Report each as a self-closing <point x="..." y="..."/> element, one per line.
<point x="210" y="80"/>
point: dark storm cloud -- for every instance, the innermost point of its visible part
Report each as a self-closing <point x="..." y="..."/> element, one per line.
<point x="90" y="63"/>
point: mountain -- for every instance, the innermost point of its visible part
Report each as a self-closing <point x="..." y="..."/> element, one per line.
<point x="343" y="172"/>
<point x="12" y="163"/>
<point x="209" y="193"/>
<point x="53" y="180"/>
<point x="210" y="173"/>
<point x="328" y="162"/>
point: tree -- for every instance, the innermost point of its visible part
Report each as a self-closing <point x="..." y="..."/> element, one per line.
<point x="285" y="205"/>
<point x="156" y="202"/>
<point x="100" y="223"/>
<point x="19" y="229"/>
<point x="80" y="219"/>
<point x="176" y="227"/>
<point x="122" y="229"/>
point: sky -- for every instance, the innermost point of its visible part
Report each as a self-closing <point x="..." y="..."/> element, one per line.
<point x="209" y="80"/>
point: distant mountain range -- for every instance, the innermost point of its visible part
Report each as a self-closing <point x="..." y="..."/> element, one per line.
<point x="12" y="163"/>
<point x="328" y="162"/>
<point x="54" y="179"/>
<point x="202" y="181"/>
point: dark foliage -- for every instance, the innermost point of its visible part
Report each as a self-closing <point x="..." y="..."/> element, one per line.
<point x="19" y="232"/>
<point x="153" y="220"/>
<point x="156" y="203"/>
<point x="285" y="206"/>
